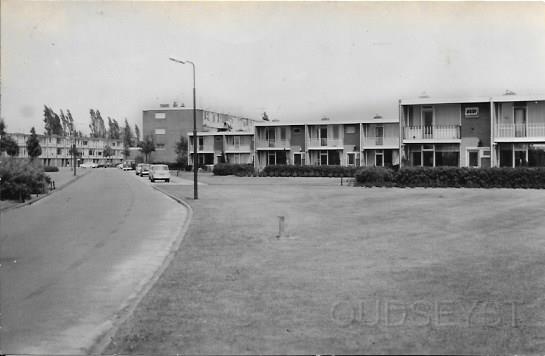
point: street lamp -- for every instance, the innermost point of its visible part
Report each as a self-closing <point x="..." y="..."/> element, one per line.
<point x="195" y="153"/>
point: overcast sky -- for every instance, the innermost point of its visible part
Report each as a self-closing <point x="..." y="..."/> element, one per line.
<point x="296" y="61"/>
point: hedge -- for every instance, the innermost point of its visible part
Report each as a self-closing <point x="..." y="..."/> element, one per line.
<point x="241" y="170"/>
<point x="308" y="171"/>
<point x="453" y="177"/>
<point x="51" y="169"/>
<point x="20" y="178"/>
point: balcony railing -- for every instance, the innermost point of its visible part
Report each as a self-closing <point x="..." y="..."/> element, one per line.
<point x="325" y="142"/>
<point x="443" y="132"/>
<point x="380" y="141"/>
<point x="201" y="148"/>
<point x="272" y="143"/>
<point x="520" y="130"/>
<point x="237" y="147"/>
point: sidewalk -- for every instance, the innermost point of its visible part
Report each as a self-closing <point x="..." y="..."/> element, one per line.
<point x="61" y="178"/>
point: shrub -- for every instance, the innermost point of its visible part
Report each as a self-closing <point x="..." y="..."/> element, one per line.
<point x="51" y="169"/>
<point x="20" y="178"/>
<point x="241" y="170"/>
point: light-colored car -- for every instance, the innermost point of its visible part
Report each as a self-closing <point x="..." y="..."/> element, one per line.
<point x="120" y="166"/>
<point x="88" y="165"/>
<point x="144" y="170"/>
<point x="159" y="172"/>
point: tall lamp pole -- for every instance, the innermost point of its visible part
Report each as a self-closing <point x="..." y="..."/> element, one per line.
<point x="195" y="153"/>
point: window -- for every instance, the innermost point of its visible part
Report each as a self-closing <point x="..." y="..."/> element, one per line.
<point x="471" y="112"/>
<point x="90" y="152"/>
<point x="350" y="129"/>
<point x="160" y="146"/>
<point x="323" y="158"/>
<point x="59" y="151"/>
<point x="160" y="131"/>
<point x="297" y="130"/>
<point x="100" y="153"/>
<point x="85" y="143"/>
<point x="201" y="143"/>
<point x="282" y="133"/>
<point x="58" y="140"/>
<point x="160" y="115"/>
<point x="218" y="138"/>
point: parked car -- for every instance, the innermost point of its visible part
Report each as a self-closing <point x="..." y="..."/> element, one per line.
<point x="159" y="172"/>
<point x="88" y="165"/>
<point x="138" y="169"/>
<point x="144" y="170"/>
<point x="120" y="166"/>
<point x="129" y="165"/>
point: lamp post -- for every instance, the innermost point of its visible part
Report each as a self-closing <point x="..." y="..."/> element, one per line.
<point x="195" y="153"/>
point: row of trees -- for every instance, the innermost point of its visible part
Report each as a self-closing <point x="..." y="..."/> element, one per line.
<point x="63" y="125"/>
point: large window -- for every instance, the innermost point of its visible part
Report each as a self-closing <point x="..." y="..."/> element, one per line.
<point x="160" y="131"/>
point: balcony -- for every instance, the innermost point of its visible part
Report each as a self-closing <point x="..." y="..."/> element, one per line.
<point x="441" y="133"/>
<point x="324" y="142"/>
<point x="520" y="132"/>
<point x="262" y="143"/>
<point x="369" y="141"/>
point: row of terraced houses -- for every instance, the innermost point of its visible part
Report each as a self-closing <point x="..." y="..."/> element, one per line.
<point x="504" y="131"/>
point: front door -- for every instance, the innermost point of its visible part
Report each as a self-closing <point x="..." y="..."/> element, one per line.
<point x="427" y="122"/>
<point x="323" y="136"/>
<point x="379" y="134"/>
<point x="297" y="160"/>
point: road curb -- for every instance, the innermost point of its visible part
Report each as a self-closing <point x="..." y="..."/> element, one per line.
<point x="40" y="197"/>
<point x="103" y="340"/>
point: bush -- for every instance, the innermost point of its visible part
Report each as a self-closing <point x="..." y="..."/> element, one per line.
<point x="241" y="170"/>
<point x="20" y="178"/>
<point x="51" y="169"/>
<point x="308" y="171"/>
<point x="377" y="176"/>
<point x="453" y="177"/>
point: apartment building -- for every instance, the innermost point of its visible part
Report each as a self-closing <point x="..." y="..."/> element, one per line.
<point x="167" y="124"/>
<point x="56" y="150"/>
<point x="505" y="131"/>
<point x="363" y="142"/>
<point x="222" y="147"/>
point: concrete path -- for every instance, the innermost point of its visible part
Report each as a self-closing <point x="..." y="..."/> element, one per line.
<point x="72" y="260"/>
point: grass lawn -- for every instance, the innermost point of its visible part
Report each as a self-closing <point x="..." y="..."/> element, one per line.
<point x="365" y="271"/>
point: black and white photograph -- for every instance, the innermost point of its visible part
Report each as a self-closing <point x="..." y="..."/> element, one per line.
<point x="272" y="177"/>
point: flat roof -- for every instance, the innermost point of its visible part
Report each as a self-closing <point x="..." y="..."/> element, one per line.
<point x="328" y="122"/>
<point x="198" y="109"/>
<point x="462" y="100"/>
<point x="226" y="133"/>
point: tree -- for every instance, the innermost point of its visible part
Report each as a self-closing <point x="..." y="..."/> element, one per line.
<point x="33" y="145"/>
<point x="127" y="138"/>
<point x="108" y="152"/>
<point x="52" y="122"/>
<point x="147" y="146"/>
<point x="181" y="151"/>
<point x="137" y="133"/>
<point x="7" y="143"/>
<point x="10" y="146"/>
<point x="69" y="121"/>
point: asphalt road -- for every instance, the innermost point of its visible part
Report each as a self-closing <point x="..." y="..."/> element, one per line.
<point x="70" y="261"/>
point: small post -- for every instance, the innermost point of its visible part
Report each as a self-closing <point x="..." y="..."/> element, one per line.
<point x="341" y="181"/>
<point x="281" y="226"/>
